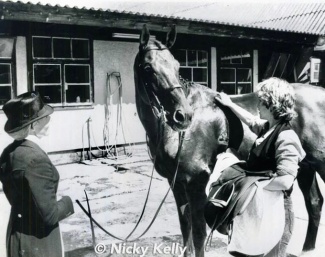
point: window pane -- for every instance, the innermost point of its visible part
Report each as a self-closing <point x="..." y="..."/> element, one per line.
<point x="247" y="60"/>
<point x="61" y="48"/>
<point x="5" y="94"/>
<point x="191" y="55"/>
<point x="202" y="58"/>
<point x="244" y="75"/>
<point x="50" y="94"/>
<point x="5" y="74"/>
<point x="47" y="74"/>
<point x="236" y="60"/>
<point x="76" y="74"/>
<point x="78" y="94"/>
<point x="180" y="56"/>
<point x="227" y="75"/>
<point x="6" y="46"/>
<point x="225" y="60"/>
<point x="200" y="75"/>
<point x="186" y="73"/>
<point x="80" y="48"/>
<point x="228" y="88"/>
<point x="42" y="47"/>
<point x="244" y="88"/>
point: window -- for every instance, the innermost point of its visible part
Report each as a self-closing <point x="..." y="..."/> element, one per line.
<point x="193" y="65"/>
<point x="62" y="70"/>
<point x="6" y="63"/>
<point x="235" y="72"/>
<point x="314" y="69"/>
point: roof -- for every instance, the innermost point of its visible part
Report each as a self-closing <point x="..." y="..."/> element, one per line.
<point x="299" y="17"/>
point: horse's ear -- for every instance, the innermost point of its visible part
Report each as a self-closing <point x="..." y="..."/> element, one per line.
<point x="171" y="37"/>
<point x="144" y="37"/>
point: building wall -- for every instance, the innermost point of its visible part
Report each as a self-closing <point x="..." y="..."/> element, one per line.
<point x="69" y="127"/>
<point x="21" y="64"/>
<point x="117" y="57"/>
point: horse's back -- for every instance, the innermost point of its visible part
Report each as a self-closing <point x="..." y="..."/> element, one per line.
<point x="310" y="121"/>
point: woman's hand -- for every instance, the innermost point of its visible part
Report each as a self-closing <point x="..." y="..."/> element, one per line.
<point x="224" y="99"/>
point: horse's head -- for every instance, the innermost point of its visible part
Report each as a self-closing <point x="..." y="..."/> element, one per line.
<point x="158" y="84"/>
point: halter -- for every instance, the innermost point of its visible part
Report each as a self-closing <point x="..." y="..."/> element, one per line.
<point x="156" y="106"/>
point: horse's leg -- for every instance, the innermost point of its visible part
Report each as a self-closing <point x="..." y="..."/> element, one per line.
<point x="314" y="201"/>
<point x="184" y="214"/>
<point x="197" y="199"/>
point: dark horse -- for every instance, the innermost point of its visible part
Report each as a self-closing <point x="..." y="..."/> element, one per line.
<point x="167" y="105"/>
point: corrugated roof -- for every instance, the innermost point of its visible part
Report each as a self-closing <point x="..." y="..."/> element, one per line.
<point x="307" y="18"/>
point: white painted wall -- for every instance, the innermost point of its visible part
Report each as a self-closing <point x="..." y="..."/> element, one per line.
<point x="68" y="128"/>
<point x="21" y="62"/>
<point x="255" y="70"/>
<point x="213" y="68"/>
<point x="117" y="57"/>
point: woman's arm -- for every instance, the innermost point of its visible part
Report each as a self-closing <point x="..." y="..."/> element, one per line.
<point x="254" y="122"/>
<point x="284" y="182"/>
<point x="289" y="153"/>
<point x="43" y="188"/>
<point x="241" y="113"/>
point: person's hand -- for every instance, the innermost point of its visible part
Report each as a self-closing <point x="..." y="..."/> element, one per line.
<point x="224" y="99"/>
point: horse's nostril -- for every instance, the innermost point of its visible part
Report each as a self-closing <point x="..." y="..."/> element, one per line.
<point x="179" y="117"/>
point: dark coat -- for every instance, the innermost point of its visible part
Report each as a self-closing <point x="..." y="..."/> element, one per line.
<point x="30" y="183"/>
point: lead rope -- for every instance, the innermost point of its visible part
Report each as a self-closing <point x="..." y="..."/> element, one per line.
<point x="181" y="139"/>
<point x="161" y="121"/>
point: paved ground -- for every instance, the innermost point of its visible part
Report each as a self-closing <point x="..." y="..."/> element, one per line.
<point x="116" y="200"/>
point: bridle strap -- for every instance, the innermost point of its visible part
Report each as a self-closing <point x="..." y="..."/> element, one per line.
<point x="154" y="101"/>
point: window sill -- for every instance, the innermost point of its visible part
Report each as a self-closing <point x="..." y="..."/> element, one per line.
<point x="72" y="107"/>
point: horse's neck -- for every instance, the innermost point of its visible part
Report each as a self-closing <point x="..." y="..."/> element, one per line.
<point x="200" y="96"/>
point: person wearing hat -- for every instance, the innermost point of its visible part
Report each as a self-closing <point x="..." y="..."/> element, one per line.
<point x="30" y="181"/>
<point x="276" y="151"/>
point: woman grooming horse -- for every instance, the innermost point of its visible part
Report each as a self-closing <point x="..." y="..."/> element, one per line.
<point x="277" y="148"/>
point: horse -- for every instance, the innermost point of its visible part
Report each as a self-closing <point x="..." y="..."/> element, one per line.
<point x="186" y="129"/>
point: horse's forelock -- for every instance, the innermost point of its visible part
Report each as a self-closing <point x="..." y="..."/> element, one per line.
<point x="153" y="43"/>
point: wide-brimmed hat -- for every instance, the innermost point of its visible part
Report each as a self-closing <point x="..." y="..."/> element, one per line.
<point x="24" y="110"/>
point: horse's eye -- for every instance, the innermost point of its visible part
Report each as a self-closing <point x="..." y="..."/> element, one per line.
<point x="147" y="68"/>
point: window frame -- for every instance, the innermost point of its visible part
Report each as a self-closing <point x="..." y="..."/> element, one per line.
<point x="62" y="62"/>
<point x="66" y="84"/>
<point x="11" y="61"/>
<point x="197" y="66"/>
<point x="226" y="62"/>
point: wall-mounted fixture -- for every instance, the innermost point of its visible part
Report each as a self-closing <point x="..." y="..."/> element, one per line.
<point x="129" y="36"/>
<point x="320" y="45"/>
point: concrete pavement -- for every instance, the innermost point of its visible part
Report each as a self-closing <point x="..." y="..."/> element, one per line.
<point x="116" y="199"/>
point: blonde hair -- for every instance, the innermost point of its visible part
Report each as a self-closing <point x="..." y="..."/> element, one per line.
<point x="21" y="134"/>
<point x="278" y="96"/>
